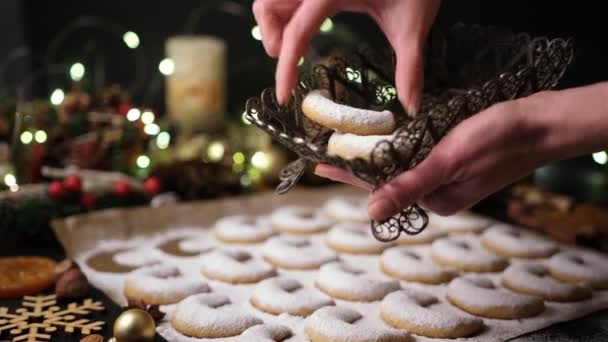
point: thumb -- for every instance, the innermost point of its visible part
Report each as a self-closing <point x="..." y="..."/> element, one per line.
<point x="407" y="188"/>
<point x="409" y="73"/>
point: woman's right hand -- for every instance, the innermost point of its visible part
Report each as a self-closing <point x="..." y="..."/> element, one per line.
<point x="288" y="26"/>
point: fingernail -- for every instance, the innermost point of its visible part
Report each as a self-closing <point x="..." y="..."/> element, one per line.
<point x="413" y="107"/>
<point x="381" y="209"/>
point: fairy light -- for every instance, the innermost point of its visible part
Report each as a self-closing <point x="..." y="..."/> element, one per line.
<point x="166" y="66"/>
<point x="254" y="174"/>
<point x="301" y="61"/>
<point x="131" y="39"/>
<point x="236" y="168"/>
<point x="143" y="161"/>
<point x="147" y="117"/>
<point x="57" y="97"/>
<point x="77" y="71"/>
<point x="151" y="129"/>
<point x="215" y="151"/>
<point x="40" y="136"/>
<point x="10" y="180"/>
<point x="327" y="25"/>
<point x="133" y="114"/>
<point x="26" y="137"/>
<point x="14" y="188"/>
<point x="260" y="160"/>
<point x="163" y="139"/>
<point x="238" y="158"/>
<point x="600" y="157"/>
<point x="245" y="180"/>
<point x="255" y="33"/>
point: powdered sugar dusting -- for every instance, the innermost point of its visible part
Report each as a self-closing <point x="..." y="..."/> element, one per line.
<point x="343" y="278"/>
<point x="518" y="241"/>
<point x="355" y="238"/>
<point x="289" y="295"/>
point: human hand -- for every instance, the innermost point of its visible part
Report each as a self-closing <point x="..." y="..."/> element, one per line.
<point x="476" y="158"/>
<point x="288" y="26"/>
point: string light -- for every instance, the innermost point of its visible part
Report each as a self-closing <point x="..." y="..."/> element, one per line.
<point x="301" y="61"/>
<point x="14" y="188"/>
<point x="215" y="151"/>
<point x="77" y="71"/>
<point x="600" y="157"/>
<point x="26" y="137"/>
<point x="244" y="118"/>
<point x="254" y="174"/>
<point x="131" y="39"/>
<point x="40" y="136"/>
<point x="151" y="129"/>
<point x="327" y="25"/>
<point x="166" y="67"/>
<point x="10" y="180"/>
<point x="133" y="114"/>
<point x="57" y="97"/>
<point x="143" y="161"/>
<point x="236" y="168"/>
<point x="245" y="180"/>
<point x="260" y="160"/>
<point x="147" y="117"/>
<point x="238" y="158"/>
<point x="162" y="140"/>
<point x="255" y="33"/>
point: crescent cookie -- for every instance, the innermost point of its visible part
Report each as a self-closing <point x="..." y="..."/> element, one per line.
<point x="319" y="108"/>
<point x="347" y="209"/>
<point x="351" y="146"/>
<point x="161" y="285"/>
<point x="461" y="223"/>
<point x="515" y="242"/>
<point x="211" y="315"/>
<point x="458" y="253"/>
<point x="295" y="253"/>
<point x="286" y="295"/>
<point x="339" y="324"/>
<point x="534" y="280"/>
<point x="354" y="238"/>
<point x="235" y="267"/>
<point x="579" y="267"/>
<point x="478" y="296"/>
<point x="343" y="281"/>
<point x="298" y="220"/>
<point x="404" y="264"/>
<point x="242" y="229"/>
<point x="423" y="314"/>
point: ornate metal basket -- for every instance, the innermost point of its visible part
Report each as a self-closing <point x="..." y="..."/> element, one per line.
<point x="467" y="69"/>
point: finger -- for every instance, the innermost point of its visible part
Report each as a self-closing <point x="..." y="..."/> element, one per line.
<point x="336" y="174"/>
<point x="455" y="197"/>
<point x="409" y="76"/>
<point x="296" y="37"/>
<point x="271" y="26"/>
<point x="407" y="188"/>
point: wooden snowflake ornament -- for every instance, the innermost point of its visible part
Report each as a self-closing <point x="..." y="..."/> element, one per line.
<point x="40" y="316"/>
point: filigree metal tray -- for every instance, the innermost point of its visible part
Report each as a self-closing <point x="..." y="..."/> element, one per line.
<point x="467" y="69"/>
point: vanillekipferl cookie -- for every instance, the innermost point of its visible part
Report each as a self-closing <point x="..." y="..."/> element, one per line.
<point x="352" y="146"/>
<point x="580" y="267"/>
<point x="465" y="255"/>
<point x="242" y="229"/>
<point x="405" y="264"/>
<point x="423" y="314"/>
<point x="516" y="242"/>
<point x="211" y="315"/>
<point x="340" y="324"/>
<point x="295" y="219"/>
<point x="161" y="285"/>
<point x="535" y="280"/>
<point x="235" y="267"/>
<point x="479" y="296"/>
<point x="286" y="295"/>
<point x="295" y="253"/>
<point x="343" y="281"/>
<point x="347" y="209"/>
<point x="354" y="238"/>
<point x="318" y="107"/>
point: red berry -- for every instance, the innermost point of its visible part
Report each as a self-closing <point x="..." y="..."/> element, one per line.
<point x="72" y="183"/>
<point x="87" y="200"/>
<point x="56" y="190"/>
<point x="152" y="185"/>
<point x="122" y="189"/>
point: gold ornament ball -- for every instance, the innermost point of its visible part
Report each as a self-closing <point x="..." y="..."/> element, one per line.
<point x="134" y="325"/>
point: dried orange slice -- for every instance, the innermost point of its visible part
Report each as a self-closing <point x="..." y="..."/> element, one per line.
<point x="25" y="275"/>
